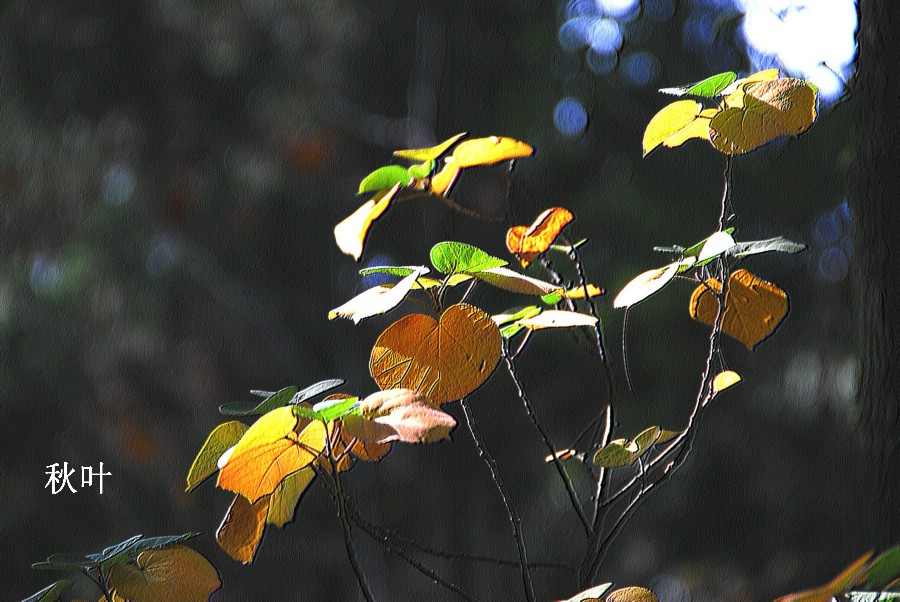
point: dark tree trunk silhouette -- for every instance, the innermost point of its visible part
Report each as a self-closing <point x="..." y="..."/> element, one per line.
<point x="875" y="202"/>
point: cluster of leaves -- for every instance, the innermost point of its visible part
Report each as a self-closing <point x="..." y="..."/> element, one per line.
<point x="139" y="569"/>
<point x="866" y="580"/>
<point x="271" y="463"/>
<point x="424" y="176"/>
<point x="746" y="113"/>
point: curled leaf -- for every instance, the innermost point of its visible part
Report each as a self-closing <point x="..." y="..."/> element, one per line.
<point x="220" y="439"/>
<point x="840" y="584"/>
<point x="709" y="88"/>
<point x="378" y="299"/>
<point x="753" y="308"/>
<point x="645" y="284"/>
<point x="351" y="233"/>
<point x="431" y="153"/>
<point x="444" y="360"/>
<point x="486" y="151"/>
<point x="443" y="181"/>
<point x="592" y="594"/>
<point x="412" y="417"/>
<point x="528" y="242"/>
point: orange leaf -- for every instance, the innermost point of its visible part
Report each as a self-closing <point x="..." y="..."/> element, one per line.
<point x="840" y="584"/>
<point x="632" y="594"/>
<point x="754" y="308"/>
<point x="176" y="573"/>
<point x="577" y="292"/>
<point x="242" y="528"/>
<point x="351" y="233"/>
<point x="444" y="360"/>
<point x="527" y="243"/>
<point x="485" y="151"/>
<point x="369" y="436"/>
<point x="443" y="181"/>
<point x="412" y="417"/>
<point x="269" y="451"/>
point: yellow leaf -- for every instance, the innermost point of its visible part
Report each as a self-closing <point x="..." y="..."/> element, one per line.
<point x="515" y="282"/>
<point x="377" y="300"/>
<point x="621" y="452"/>
<point x="425" y="283"/>
<point x="220" y="439"/>
<point x="269" y="451"/>
<point x="351" y="233"/>
<point x="723" y="380"/>
<point x="553" y="318"/>
<point x="759" y="76"/>
<point x="444" y="360"/>
<point x="563" y="454"/>
<point x="577" y="292"/>
<point x="590" y="595"/>
<point x="242" y="528"/>
<point x="443" y="181"/>
<point x="527" y="243"/>
<point x="768" y="110"/>
<point x="175" y="573"/>
<point x="485" y="151"/>
<point x="753" y="309"/>
<point x="283" y="503"/>
<point x="632" y="594"/>
<point x="669" y="123"/>
<point x="840" y="584"/>
<point x="643" y="285"/>
<point x="428" y="154"/>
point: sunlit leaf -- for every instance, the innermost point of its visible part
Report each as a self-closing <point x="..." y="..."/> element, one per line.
<point x="753" y="309"/>
<point x="444" y="360"/>
<point x="668" y="125"/>
<point x="515" y="282"/>
<point x="431" y="153"/>
<point x="242" y="528"/>
<point x="873" y="596"/>
<point x="515" y="314"/>
<point x="844" y="581"/>
<point x="131" y="552"/>
<point x="778" y="244"/>
<point x="351" y="233"/>
<point x="769" y="110"/>
<point x="884" y="570"/>
<point x="273" y="400"/>
<point x="425" y="283"/>
<point x="443" y="181"/>
<point x="385" y="178"/>
<point x="176" y="573"/>
<point x="377" y="300"/>
<point x="644" y="285"/>
<point x="269" y="451"/>
<point x="335" y="406"/>
<point x="710" y="87"/>
<point x="724" y="380"/>
<point x="622" y="452"/>
<point x="421" y="171"/>
<point x="283" y="502"/>
<point x="220" y="439"/>
<point x="563" y="454"/>
<point x="51" y="593"/>
<point x="368" y="435"/>
<point x="759" y="76"/>
<point x="553" y="318"/>
<point x="485" y="151"/>
<point x="592" y="594"/>
<point x="714" y="246"/>
<point x="578" y="292"/>
<point x="694" y="249"/>
<point x="458" y="257"/>
<point x="413" y="418"/>
<point x="632" y="594"/>
<point x="528" y="242"/>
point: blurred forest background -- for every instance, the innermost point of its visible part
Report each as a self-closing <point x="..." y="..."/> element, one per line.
<point x="170" y="174"/>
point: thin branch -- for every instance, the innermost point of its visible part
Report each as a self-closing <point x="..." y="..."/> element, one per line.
<point x="727" y="212"/>
<point x="514" y="520"/>
<point x="100" y="582"/>
<point x="545" y="436"/>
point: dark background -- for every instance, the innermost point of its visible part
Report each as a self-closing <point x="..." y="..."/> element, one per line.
<point x="170" y="174"/>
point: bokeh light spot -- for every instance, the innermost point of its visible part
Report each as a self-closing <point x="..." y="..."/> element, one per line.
<point x="570" y="117"/>
<point x="641" y="68"/>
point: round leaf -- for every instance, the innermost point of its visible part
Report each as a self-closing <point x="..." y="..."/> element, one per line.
<point x="632" y="594"/>
<point x="669" y="122"/>
<point x="724" y="380"/>
<point x="458" y="257"/>
<point x="177" y="573"/>
<point x="444" y="360"/>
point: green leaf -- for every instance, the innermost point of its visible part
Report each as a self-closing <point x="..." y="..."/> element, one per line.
<point x="457" y="257"/>
<point x="708" y="88"/>
<point x="778" y="244"/>
<point x="67" y="562"/>
<point x="422" y="170"/>
<point x="51" y="593"/>
<point x="275" y="400"/>
<point x="384" y="178"/>
<point x="305" y="412"/>
<point x="390" y="270"/>
<point x="220" y="439"/>
<point x="885" y="569"/>
<point x="872" y="596"/>
<point x="147" y="543"/>
<point x="552" y="298"/>
<point x="694" y="249"/>
<point x="112" y="550"/>
<point x="515" y="314"/>
<point x="329" y="410"/>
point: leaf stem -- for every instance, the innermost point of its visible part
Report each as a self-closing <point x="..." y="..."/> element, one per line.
<point x="514" y="520"/>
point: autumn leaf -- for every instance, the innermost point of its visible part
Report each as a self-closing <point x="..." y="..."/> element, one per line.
<point x="766" y="110"/>
<point x="632" y="594"/>
<point x="669" y="124"/>
<point x="220" y="439"/>
<point x="578" y="292"/>
<point x="351" y="233"/>
<point x="51" y="593"/>
<point x="753" y="309"/>
<point x="409" y="414"/>
<point x="431" y="153"/>
<point x="270" y="450"/>
<point x="621" y="452"/>
<point x="759" y="76"/>
<point x="378" y="299"/>
<point x="590" y="595"/>
<point x="528" y="242"/>
<point x="844" y="581"/>
<point x="444" y="360"/>
<point x="368" y="436"/>
<point x="242" y="528"/>
<point x="284" y="500"/>
<point x="486" y="151"/>
<point x="443" y="181"/>
<point x="553" y="318"/>
<point x="176" y="573"/>
<point x="724" y="380"/>
<point x="385" y="178"/>
<point x="643" y="285"/>
<point x="515" y="282"/>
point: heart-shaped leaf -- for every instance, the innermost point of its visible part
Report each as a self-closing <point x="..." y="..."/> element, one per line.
<point x="444" y="360"/>
<point x="669" y="124"/>
<point x="176" y="573"/>
<point x="220" y="439"/>
<point x="351" y="233"/>
<point x="460" y="258"/>
<point x="753" y="309"/>
<point x="632" y="594"/>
